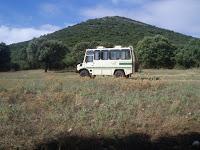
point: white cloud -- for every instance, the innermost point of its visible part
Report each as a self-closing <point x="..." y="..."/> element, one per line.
<point x="10" y="35"/>
<point x="177" y="15"/>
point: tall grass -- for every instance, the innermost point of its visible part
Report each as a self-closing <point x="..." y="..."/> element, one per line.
<point x="37" y="107"/>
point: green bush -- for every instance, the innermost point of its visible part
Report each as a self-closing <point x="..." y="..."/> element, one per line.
<point x="156" y="52"/>
<point x="189" y="56"/>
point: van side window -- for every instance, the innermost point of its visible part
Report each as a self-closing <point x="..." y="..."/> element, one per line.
<point x="104" y="54"/>
<point x="125" y="54"/>
<point x="115" y="54"/>
<point x="89" y="59"/>
<point x="97" y="55"/>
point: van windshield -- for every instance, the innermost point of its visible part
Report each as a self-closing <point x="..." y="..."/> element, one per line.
<point x="89" y="52"/>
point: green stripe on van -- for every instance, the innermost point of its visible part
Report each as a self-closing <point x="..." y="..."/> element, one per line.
<point x="110" y="67"/>
<point x="125" y="63"/>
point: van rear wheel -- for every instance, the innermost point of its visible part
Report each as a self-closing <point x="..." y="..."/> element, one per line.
<point x="84" y="73"/>
<point x="119" y="73"/>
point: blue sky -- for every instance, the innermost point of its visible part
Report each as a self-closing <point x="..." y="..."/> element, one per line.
<point x="22" y="20"/>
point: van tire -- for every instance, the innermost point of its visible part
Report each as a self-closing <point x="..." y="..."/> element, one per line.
<point x="128" y="76"/>
<point x="94" y="76"/>
<point x="119" y="73"/>
<point x="84" y="73"/>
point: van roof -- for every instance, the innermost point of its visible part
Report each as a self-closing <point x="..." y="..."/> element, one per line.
<point x="114" y="48"/>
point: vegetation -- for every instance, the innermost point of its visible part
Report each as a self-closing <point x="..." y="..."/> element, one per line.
<point x="38" y="109"/>
<point x="32" y="51"/>
<point x="156" y="52"/>
<point x="4" y="57"/>
<point x="40" y="52"/>
<point x="189" y="55"/>
<point x="51" y="53"/>
<point x="114" y="30"/>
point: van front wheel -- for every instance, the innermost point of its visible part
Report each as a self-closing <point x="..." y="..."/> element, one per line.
<point x="119" y="73"/>
<point x="84" y="73"/>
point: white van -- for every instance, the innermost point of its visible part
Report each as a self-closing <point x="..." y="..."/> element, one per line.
<point x="118" y="61"/>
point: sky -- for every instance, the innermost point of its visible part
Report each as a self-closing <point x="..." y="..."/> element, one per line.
<point x="22" y="20"/>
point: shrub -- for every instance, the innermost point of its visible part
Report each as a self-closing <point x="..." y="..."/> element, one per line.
<point x="189" y="56"/>
<point x="156" y="52"/>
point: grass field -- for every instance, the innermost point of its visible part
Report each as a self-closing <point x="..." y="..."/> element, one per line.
<point x="155" y="109"/>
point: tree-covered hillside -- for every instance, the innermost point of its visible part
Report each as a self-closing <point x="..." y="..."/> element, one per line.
<point x="104" y="31"/>
<point x="117" y="30"/>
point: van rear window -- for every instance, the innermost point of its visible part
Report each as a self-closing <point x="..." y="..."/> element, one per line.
<point x="125" y="54"/>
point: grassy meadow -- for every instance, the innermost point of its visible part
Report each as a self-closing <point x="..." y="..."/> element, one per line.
<point x="38" y="108"/>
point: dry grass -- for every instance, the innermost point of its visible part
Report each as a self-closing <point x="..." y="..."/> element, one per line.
<point x="36" y="107"/>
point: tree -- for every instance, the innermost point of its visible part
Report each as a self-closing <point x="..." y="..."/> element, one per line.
<point x="156" y="52"/>
<point x="79" y="51"/>
<point x="19" y="57"/>
<point x="32" y="52"/>
<point x="51" y="54"/>
<point x="189" y="56"/>
<point x="46" y="52"/>
<point x="4" y="57"/>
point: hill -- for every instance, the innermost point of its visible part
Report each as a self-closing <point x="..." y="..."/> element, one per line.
<point x="117" y="30"/>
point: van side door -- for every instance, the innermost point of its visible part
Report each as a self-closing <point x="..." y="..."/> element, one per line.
<point x="89" y="61"/>
<point x="97" y="63"/>
<point x="107" y="67"/>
